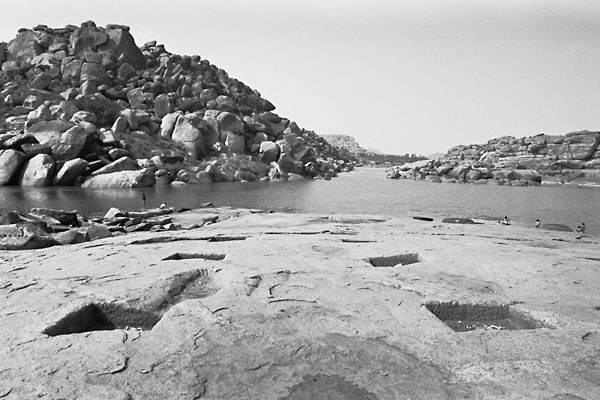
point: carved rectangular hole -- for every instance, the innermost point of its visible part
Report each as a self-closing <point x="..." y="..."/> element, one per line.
<point x="470" y="317"/>
<point x="185" y="256"/>
<point x="102" y="317"/>
<point x="390" y="261"/>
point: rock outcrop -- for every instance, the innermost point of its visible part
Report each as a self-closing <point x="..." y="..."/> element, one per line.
<point x="572" y="159"/>
<point x="89" y="92"/>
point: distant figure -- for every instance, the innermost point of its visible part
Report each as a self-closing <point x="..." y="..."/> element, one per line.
<point x="505" y="221"/>
<point x="579" y="230"/>
<point x="163" y="205"/>
<point x="537" y="223"/>
<point x="583" y="227"/>
<point x="143" y="201"/>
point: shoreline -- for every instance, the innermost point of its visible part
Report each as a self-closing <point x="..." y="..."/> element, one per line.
<point x="276" y="305"/>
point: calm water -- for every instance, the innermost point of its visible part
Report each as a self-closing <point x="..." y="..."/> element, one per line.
<point x="362" y="191"/>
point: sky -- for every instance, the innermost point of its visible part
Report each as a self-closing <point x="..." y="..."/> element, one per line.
<point x="400" y="76"/>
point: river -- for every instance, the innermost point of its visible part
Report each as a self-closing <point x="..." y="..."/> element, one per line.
<point x="365" y="190"/>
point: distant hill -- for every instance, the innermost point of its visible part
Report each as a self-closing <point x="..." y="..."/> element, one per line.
<point x="346" y="143"/>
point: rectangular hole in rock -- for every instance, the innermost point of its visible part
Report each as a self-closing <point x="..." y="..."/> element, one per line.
<point x="390" y="261"/>
<point x="102" y="317"/>
<point x="470" y="317"/>
<point x="185" y="256"/>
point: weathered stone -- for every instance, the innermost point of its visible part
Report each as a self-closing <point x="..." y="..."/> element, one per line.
<point x="24" y="47"/>
<point x="122" y="179"/>
<point x="121" y="44"/>
<point x="136" y="98"/>
<point x="125" y="72"/>
<point x="191" y="138"/>
<point x="268" y="152"/>
<point x="37" y="171"/>
<point x="94" y="72"/>
<point x="33" y="149"/>
<point x="235" y="143"/>
<point x="168" y="124"/>
<point x="121" y="164"/>
<point x="10" y="163"/>
<point x="163" y="105"/>
<point x="69" y="171"/>
<point x="289" y="165"/>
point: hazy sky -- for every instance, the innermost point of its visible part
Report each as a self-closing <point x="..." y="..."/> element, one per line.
<point x="400" y="76"/>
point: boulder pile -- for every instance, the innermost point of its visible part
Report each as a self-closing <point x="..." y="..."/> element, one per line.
<point x="573" y="158"/>
<point x="86" y="106"/>
<point x="45" y="227"/>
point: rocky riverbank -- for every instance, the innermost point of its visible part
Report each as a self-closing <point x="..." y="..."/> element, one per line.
<point x="572" y="159"/>
<point x="294" y="306"/>
<point x="86" y="106"/>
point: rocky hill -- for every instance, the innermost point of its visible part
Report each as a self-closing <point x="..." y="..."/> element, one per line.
<point x="345" y="142"/>
<point x="86" y="106"/>
<point x="572" y="158"/>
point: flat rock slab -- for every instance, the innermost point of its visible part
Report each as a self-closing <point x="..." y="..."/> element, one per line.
<point x="298" y="306"/>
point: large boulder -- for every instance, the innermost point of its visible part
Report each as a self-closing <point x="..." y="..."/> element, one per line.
<point x="122" y="164"/>
<point x="10" y="163"/>
<point x="122" y="179"/>
<point x="24" y="47"/>
<point x="190" y="136"/>
<point x="235" y="143"/>
<point x="37" y="171"/>
<point x="121" y="46"/>
<point x="289" y="165"/>
<point x="525" y="174"/>
<point x="268" y="152"/>
<point x="69" y="171"/>
<point x="68" y="141"/>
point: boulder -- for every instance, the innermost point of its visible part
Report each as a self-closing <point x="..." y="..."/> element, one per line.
<point x="268" y="152"/>
<point x="26" y="242"/>
<point x="71" y="236"/>
<point x="524" y="174"/>
<point x="64" y="217"/>
<point x="95" y="231"/>
<point x="122" y="179"/>
<point x="24" y="47"/>
<point x="168" y="124"/>
<point x="69" y="171"/>
<point x="67" y="140"/>
<point x="235" y="143"/>
<point x="37" y="171"/>
<point x="289" y="165"/>
<point x="121" y="45"/>
<point x="10" y="163"/>
<point x="191" y="138"/>
<point x="121" y="164"/>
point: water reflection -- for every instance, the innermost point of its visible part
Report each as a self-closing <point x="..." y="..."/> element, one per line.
<point x="362" y="191"/>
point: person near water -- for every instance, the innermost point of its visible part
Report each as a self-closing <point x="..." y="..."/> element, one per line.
<point x="583" y="227"/>
<point x="505" y="221"/>
<point x="537" y="223"/>
<point x="143" y="201"/>
<point x="579" y="230"/>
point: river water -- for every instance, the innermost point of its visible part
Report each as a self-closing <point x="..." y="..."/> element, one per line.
<point x="365" y="190"/>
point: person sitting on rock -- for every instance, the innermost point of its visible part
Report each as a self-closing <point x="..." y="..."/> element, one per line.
<point x="505" y="221"/>
<point x="537" y="223"/>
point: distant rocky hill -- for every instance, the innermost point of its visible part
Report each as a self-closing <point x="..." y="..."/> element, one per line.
<point x="84" y="105"/>
<point x="345" y="142"/>
<point x="570" y="158"/>
<point x="348" y="146"/>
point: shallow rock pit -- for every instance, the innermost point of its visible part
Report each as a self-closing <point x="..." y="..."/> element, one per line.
<point x="186" y="256"/>
<point x="470" y="317"/>
<point x="192" y="284"/>
<point x="102" y="317"/>
<point x="390" y="261"/>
